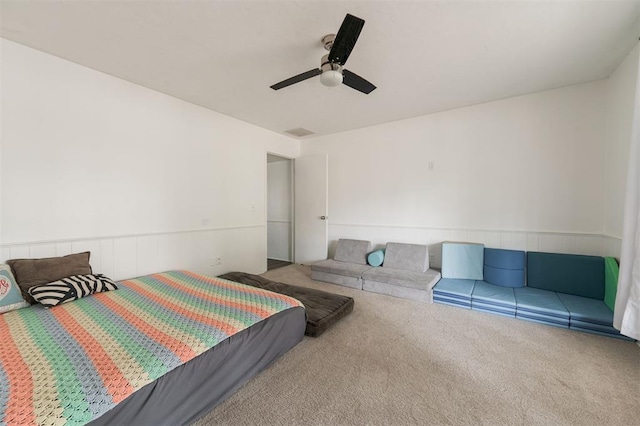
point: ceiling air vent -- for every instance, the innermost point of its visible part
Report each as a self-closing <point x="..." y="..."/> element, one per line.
<point x="299" y="132"/>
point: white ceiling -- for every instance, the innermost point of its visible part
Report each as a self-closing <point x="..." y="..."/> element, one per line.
<point x="424" y="56"/>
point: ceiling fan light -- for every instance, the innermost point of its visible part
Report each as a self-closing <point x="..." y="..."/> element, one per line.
<point x="331" y="78"/>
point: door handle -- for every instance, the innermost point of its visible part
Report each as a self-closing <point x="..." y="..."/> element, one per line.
<point x="323" y="218"/>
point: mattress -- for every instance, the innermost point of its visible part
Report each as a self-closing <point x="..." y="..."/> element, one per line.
<point x="323" y="309"/>
<point x="136" y="355"/>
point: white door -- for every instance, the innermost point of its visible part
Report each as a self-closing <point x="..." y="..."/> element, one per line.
<point x="311" y="208"/>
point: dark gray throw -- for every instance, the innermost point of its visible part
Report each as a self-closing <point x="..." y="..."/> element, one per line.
<point x="323" y="309"/>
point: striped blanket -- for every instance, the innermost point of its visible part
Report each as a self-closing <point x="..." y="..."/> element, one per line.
<point x="72" y="363"/>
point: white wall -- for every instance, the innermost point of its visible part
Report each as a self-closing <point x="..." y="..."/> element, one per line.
<point x="524" y="172"/>
<point x="621" y="88"/>
<point x="279" y="207"/>
<point x="147" y="181"/>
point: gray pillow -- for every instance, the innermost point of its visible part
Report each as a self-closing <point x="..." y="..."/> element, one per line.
<point x="33" y="272"/>
<point x="408" y="257"/>
<point x="352" y="251"/>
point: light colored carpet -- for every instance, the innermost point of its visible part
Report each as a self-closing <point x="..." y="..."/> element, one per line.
<point x="396" y="362"/>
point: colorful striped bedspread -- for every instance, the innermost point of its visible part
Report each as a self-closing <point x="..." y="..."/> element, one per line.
<point x="72" y="363"/>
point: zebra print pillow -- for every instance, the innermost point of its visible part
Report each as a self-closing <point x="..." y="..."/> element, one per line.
<point x="71" y="288"/>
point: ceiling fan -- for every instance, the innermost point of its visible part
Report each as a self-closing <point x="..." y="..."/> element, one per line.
<point x="331" y="71"/>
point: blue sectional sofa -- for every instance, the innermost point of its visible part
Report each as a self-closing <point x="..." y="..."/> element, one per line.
<point x="562" y="290"/>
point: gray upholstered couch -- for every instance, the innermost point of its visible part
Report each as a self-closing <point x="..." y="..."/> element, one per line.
<point x="347" y="266"/>
<point x="405" y="273"/>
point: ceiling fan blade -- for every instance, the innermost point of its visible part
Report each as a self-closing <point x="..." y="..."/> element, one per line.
<point x="297" y="79"/>
<point x="356" y="82"/>
<point x="345" y="39"/>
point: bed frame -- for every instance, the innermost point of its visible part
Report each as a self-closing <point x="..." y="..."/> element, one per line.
<point x="192" y="390"/>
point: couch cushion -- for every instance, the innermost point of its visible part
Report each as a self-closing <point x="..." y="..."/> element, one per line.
<point x="566" y="273"/>
<point x="611" y="273"/>
<point x="504" y="267"/>
<point x="340" y="268"/>
<point x="493" y="309"/>
<point x="504" y="259"/>
<point x="343" y="280"/>
<point x="462" y="261"/>
<point x="452" y="301"/>
<point x="544" y="302"/>
<point x="504" y="277"/>
<point x="543" y="319"/>
<point x="610" y="332"/>
<point x="582" y="325"/>
<point x="417" y="294"/>
<point x="352" y="251"/>
<point x="418" y="280"/>
<point x="408" y="257"/>
<point x="456" y="288"/>
<point x="586" y="309"/>
<point x="493" y="295"/>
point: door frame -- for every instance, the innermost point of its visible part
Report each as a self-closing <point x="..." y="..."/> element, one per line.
<point x="292" y="239"/>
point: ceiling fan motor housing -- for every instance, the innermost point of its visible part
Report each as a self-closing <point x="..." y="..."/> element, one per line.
<point x="331" y="72"/>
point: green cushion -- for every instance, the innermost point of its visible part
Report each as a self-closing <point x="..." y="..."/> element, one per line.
<point x="610" y="281"/>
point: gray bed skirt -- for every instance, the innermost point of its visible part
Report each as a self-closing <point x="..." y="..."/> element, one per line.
<point x="192" y="390"/>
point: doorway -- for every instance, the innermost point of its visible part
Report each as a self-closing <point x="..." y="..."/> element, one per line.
<point x="279" y="211"/>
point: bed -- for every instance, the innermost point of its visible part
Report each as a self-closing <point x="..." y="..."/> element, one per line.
<point x="162" y="349"/>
